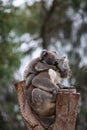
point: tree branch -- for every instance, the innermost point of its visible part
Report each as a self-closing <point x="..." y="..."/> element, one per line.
<point x="46" y="21"/>
<point x="66" y="109"/>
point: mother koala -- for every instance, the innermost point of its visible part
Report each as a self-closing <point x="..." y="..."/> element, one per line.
<point x="45" y="82"/>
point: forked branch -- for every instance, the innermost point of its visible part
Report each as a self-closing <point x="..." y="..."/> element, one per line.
<point x="66" y="110"/>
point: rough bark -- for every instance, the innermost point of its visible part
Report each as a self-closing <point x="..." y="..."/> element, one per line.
<point x="66" y="110"/>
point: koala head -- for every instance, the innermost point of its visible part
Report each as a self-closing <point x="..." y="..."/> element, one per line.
<point x="49" y="57"/>
<point x="63" y="67"/>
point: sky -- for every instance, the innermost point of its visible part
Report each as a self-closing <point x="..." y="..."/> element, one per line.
<point x="19" y="2"/>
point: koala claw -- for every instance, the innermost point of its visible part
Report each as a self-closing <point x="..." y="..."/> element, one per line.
<point x="55" y="91"/>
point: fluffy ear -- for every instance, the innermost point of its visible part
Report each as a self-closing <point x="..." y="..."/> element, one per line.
<point x="43" y="53"/>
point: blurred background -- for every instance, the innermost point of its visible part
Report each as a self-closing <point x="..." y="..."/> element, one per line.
<point x="27" y="27"/>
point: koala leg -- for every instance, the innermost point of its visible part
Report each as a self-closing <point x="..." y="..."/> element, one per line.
<point x="43" y="102"/>
<point x="45" y="84"/>
<point x="29" y="79"/>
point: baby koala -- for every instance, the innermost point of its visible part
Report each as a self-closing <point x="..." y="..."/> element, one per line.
<point x="64" y="69"/>
<point x="44" y="87"/>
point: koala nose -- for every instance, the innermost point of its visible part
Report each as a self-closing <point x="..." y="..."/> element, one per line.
<point x="56" y="62"/>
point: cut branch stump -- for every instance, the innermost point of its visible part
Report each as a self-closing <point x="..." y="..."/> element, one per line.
<point x="66" y="110"/>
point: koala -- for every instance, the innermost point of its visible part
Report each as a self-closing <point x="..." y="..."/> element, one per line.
<point x="45" y="85"/>
<point x="46" y="60"/>
<point x="64" y="69"/>
<point x="63" y="66"/>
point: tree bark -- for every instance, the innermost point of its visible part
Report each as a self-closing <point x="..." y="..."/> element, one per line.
<point x="66" y="110"/>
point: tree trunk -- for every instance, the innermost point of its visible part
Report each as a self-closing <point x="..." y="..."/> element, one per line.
<point x="66" y="110"/>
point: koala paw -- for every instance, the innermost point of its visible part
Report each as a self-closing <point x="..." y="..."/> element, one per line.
<point x="55" y="91"/>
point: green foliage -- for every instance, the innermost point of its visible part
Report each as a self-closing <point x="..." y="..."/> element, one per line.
<point x="28" y="19"/>
<point x="9" y="63"/>
<point x="9" y="57"/>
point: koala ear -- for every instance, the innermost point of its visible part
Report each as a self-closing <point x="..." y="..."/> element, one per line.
<point x="43" y="53"/>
